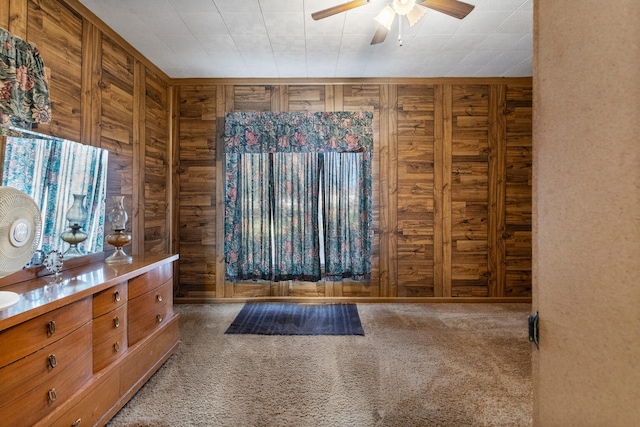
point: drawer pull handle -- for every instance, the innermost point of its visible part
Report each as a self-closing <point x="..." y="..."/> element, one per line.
<point x="53" y="362"/>
<point x="159" y="318"/>
<point x="52" y="395"/>
<point x="116" y="347"/>
<point x="116" y="322"/>
<point x="77" y="423"/>
<point x="159" y="298"/>
<point x="51" y="327"/>
<point x="116" y="296"/>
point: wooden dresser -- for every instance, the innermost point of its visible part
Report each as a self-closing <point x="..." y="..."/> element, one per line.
<point x="75" y="350"/>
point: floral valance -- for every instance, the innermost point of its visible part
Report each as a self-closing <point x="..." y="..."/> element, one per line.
<point x="24" y="90"/>
<point x="298" y="132"/>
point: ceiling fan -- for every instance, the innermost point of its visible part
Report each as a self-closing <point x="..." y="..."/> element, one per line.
<point x="412" y="9"/>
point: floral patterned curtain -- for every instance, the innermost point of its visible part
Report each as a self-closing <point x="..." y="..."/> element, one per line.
<point x="347" y="184"/>
<point x="296" y="180"/>
<point x="247" y="217"/>
<point x="24" y="90"/>
<point x="277" y="164"/>
<point x="298" y="132"/>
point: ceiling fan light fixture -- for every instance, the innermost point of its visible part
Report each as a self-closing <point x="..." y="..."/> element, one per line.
<point x="415" y="14"/>
<point x="385" y="17"/>
<point x="403" y="7"/>
<point x="412" y="9"/>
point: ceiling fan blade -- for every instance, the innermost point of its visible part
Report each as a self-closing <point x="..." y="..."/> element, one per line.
<point x="325" y="13"/>
<point x="380" y="35"/>
<point x="454" y="8"/>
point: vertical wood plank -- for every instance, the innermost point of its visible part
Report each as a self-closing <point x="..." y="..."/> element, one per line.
<point x="446" y="190"/>
<point x="4" y="14"/>
<point x="338" y="96"/>
<point x="329" y="98"/>
<point x="415" y="105"/>
<point x="116" y="124"/>
<point x="329" y="288"/>
<point x="385" y="221"/>
<point x="156" y="199"/>
<point x="137" y="223"/>
<point x="442" y="190"/>
<point x="469" y="190"/>
<point x="275" y="99"/>
<point x="174" y="179"/>
<point x="497" y="189"/>
<point x="221" y="98"/>
<point x="168" y="215"/>
<point x="518" y="205"/>
<point x="18" y="18"/>
<point x="229" y="100"/>
<point x="438" y="182"/>
<point x="284" y="98"/>
<point x="91" y="101"/>
<point x="198" y="202"/>
<point x="392" y="172"/>
<point x="86" y="120"/>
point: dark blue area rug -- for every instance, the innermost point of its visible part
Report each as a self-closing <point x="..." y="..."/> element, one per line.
<point x="282" y="318"/>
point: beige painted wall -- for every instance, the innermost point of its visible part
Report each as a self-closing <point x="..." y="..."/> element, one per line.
<point x="586" y="258"/>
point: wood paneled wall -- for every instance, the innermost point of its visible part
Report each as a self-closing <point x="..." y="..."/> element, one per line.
<point x="452" y="184"/>
<point x="105" y="94"/>
<point x="452" y="162"/>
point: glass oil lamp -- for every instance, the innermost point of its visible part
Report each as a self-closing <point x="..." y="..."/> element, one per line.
<point x="76" y="217"/>
<point x="119" y="237"/>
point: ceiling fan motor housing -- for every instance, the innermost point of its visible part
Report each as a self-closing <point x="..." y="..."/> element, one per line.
<point x="403" y="7"/>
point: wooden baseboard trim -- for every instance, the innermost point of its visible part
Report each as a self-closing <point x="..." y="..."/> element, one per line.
<point x="320" y="300"/>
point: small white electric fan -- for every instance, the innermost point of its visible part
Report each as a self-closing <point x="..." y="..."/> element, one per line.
<point x="20" y="229"/>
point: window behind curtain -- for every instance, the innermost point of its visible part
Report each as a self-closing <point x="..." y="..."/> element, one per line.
<point x="296" y="179"/>
<point x="346" y="213"/>
<point x="277" y="166"/>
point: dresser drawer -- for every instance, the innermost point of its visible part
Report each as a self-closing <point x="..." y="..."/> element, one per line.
<point x="109" y="299"/>
<point x="144" y="324"/>
<point x="25" y="374"/>
<point x="137" y="368"/>
<point x="92" y="407"/>
<point x="46" y="397"/>
<point x="109" y="324"/>
<point x="25" y="338"/>
<point x="109" y="350"/>
<point x="146" y="302"/>
<point x="150" y="280"/>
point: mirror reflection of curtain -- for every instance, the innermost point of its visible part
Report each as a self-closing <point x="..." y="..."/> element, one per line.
<point x="51" y="170"/>
<point x="26" y="165"/>
<point x="280" y="169"/>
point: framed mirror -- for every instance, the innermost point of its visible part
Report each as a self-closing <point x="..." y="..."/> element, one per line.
<point x="55" y="172"/>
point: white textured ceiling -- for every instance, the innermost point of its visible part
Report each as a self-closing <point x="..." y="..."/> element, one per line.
<point x="278" y="39"/>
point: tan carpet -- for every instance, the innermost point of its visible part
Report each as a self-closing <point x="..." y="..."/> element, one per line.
<point x="417" y="365"/>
